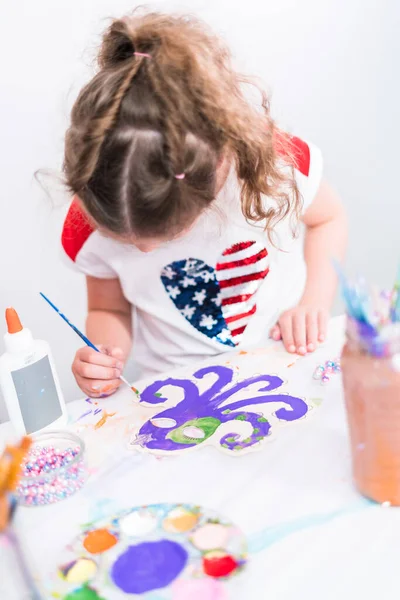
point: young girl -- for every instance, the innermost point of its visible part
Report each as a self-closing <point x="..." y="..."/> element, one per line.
<point x="186" y="210"/>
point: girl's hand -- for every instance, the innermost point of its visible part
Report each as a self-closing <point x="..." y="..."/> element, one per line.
<point x="301" y="329"/>
<point x="97" y="373"/>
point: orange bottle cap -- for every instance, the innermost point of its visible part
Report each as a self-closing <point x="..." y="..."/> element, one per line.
<point x="13" y="322"/>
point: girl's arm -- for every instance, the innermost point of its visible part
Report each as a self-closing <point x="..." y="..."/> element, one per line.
<point x="108" y="326"/>
<point x="109" y="320"/>
<point x="302" y="327"/>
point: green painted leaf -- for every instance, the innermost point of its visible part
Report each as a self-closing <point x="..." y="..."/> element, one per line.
<point x="262" y="420"/>
<point x="227" y="411"/>
<point x="241" y="418"/>
<point x="208" y="425"/>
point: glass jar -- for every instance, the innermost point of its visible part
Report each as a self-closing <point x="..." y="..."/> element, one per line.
<point x="54" y="469"/>
<point x="371" y="381"/>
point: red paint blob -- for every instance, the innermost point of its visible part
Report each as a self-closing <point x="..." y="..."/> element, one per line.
<point x="99" y="540"/>
<point x="218" y="564"/>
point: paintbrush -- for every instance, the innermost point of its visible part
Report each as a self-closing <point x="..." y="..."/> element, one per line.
<point x="355" y="297"/>
<point x="81" y="335"/>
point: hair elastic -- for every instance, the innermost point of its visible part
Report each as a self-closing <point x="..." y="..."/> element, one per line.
<point x="180" y="176"/>
<point x="143" y="54"/>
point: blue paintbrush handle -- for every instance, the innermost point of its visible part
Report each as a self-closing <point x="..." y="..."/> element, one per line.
<point x="81" y="335"/>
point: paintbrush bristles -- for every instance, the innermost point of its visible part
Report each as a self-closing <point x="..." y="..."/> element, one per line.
<point x="376" y="308"/>
<point x="395" y="303"/>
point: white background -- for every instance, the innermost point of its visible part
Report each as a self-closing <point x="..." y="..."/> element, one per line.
<point x="332" y="67"/>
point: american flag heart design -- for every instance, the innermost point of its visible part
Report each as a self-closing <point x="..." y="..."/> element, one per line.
<point x="219" y="302"/>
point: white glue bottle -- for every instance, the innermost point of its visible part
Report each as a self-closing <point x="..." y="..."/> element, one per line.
<point x="29" y="381"/>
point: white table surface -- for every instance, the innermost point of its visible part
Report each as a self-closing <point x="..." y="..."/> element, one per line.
<point x="310" y="534"/>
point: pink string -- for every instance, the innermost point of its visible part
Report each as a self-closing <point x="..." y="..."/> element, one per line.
<point x="180" y="176"/>
<point x="143" y="54"/>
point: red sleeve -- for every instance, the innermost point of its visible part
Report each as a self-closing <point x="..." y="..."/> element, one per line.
<point x="294" y="149"/>
<point x="76" y="231"/>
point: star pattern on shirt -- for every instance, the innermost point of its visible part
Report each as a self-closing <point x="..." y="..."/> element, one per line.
<point x="173" y="291"/>
<point x="224" y="336"/>
<point x="207" y="321"/>
<point x="190" y="265"/>
<point x="188" y="311"/>
<point x="192" y="286"/>
<point x="218" y="299"/>
<point x="187" y="281"/>
<point x="200" y="296"/>
<point x="207" y="276"/>
<point x="168" y="272"/>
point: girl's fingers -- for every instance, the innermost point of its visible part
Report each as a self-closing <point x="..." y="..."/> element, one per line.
<point x="312" y="330"/>
<point x="88" y="355"/>
<point x="275" y="333"/>
<point x="98" y="388"/>
<point x="90" y="371"/>
<point x="299" y="332"/>
<point x="112" y="352"/>
<point x="322" y="326"/>
<point x="286" y="330"/>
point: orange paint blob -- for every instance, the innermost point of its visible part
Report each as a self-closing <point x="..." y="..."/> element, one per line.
<point x="99" y="540"/>
<point x="180" y="521"/>
<point x="103" y="420"/>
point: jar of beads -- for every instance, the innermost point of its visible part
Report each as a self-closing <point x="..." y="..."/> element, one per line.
<point x="54" y="469"/>
<point x="371" y="380"/>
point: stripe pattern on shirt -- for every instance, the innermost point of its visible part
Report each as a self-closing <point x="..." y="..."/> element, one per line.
<point x="240" y="271"/>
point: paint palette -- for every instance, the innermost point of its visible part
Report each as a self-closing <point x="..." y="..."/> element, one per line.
<point x="156" y="552"/>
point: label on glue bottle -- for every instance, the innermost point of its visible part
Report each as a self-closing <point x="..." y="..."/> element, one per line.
<point x="29" y="381"/>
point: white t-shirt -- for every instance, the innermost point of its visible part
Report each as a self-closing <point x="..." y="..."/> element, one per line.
<point x="221" y="285"/>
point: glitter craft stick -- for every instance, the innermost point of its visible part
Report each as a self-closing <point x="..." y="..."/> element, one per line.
<point x="395" y="304"/>
<point x="374" y="316"/>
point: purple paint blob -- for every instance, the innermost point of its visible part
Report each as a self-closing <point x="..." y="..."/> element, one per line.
<point x="148" y="566"/>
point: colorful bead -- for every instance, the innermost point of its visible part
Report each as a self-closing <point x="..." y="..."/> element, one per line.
<point x="319" y="371"/>
<point x="323" y="372"/>
<point x="41" y="485"/>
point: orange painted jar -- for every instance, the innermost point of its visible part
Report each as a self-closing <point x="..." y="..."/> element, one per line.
<point x="371" y="381"/>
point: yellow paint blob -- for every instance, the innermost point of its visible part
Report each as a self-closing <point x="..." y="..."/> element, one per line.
<point x="79" y="571"/>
